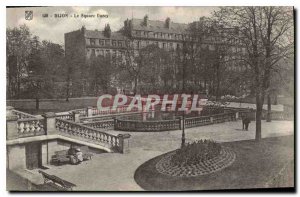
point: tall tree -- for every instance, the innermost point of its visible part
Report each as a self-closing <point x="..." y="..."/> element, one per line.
<point x="265" y="33"/>
<point x="18" y="48"/>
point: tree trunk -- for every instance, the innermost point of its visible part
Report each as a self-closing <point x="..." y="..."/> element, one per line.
<point x="269" y="109"/>
<point x="135" y="85"/>
<point x="275" y="99"/>
<point x="18" y="88"/>
<point x="68" y="89"/>
<point x="259" y="105"/>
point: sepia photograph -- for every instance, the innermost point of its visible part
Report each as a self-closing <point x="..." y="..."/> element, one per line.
<point x="150" y="98"/>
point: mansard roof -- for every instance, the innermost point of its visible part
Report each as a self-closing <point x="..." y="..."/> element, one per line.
<point x="159" y="26"/>
<point x="100" y="35"/>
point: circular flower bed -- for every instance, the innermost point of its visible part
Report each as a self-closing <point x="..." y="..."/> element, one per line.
<point x="198" y="158"/>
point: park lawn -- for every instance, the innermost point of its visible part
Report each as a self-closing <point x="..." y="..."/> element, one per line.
<point x="256" y="164"/>
<point x="53" y="105"/>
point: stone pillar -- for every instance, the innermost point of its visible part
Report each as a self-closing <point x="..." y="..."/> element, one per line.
<point x="44" y="152"/>
<point x="16" y="157"/>
<point x="89" y="111"/>
<point x="50" y="123"/>
<point x="124" y="143"/>
<point x="76" y="115"/>
<point x="9" y="110"/>
<point x="11" y="127"/>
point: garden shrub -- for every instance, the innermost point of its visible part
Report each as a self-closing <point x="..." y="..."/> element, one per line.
<point x="198" y="151"/>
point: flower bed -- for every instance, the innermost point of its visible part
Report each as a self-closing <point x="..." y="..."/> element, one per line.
<point x="196" y="152"/>
<point x="195" y="159"/>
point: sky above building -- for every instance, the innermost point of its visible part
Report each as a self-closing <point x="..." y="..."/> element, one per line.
<point x="53" y="28"/>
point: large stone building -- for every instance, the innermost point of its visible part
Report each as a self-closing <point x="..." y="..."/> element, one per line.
<point x="81" y="44"/>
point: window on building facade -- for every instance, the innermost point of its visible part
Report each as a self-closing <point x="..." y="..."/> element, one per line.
<point x="114" y="43"/>
<point x="92" y="41"/>
<point x="164" y="45"/>
<point x="120" y="43"/>
<point x="107" y="52"/>
<point x="171" y="45"/>
<point x="93" y="52"/>
<point x="138" y="44"/>
<point x="147" y="43"/>
<point x="102" y="42"/>
<point x="107" y="42"/>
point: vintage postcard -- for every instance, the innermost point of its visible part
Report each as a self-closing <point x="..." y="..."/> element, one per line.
<point x="150" y="98"/>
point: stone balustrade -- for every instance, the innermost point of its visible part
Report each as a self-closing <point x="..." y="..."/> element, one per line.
<point x="279" y="115"/>
<point x="121" y="109"/>
<point x="105" y="124"/>
<point x="65" y="116"/>
<point x="83" y="112"/>
<point x="22" y="115"/>
<point x="109" y="117"/>
<point x="124" y="124"/>
<point x="275" y="115"/>
<point x="144" y="126"/>
<point x="30" y="127"/>
<point x="70" y="128"/>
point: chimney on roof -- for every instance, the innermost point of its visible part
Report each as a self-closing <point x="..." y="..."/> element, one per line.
<point x="107" y="31"/>
<point x="83" y="29"/>
<point x="168" y="21"/>
<point x="146" y="20"/>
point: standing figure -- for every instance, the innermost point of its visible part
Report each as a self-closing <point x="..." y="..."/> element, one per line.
<point x="246" y="121"/>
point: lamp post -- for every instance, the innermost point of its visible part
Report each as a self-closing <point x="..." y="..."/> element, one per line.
<point x="183" y="90"/>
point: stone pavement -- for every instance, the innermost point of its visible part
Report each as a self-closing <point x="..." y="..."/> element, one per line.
<point x="114" y="171"/>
